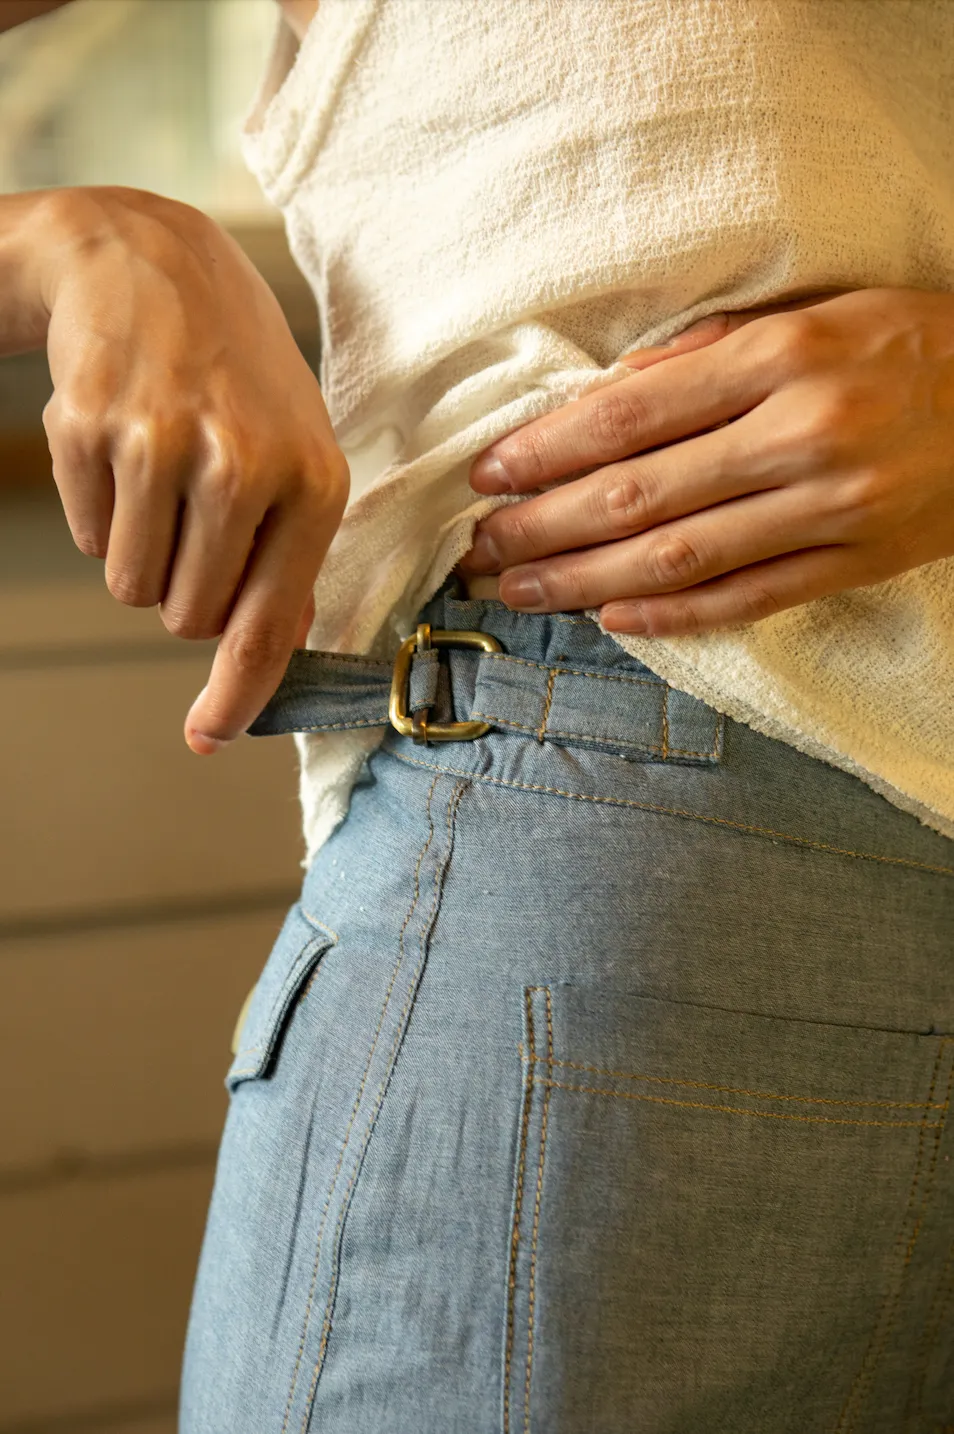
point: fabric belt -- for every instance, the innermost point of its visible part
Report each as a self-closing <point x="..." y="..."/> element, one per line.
<point x="635" y="715"/>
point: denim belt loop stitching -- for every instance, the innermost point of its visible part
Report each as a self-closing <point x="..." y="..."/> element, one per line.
<point x="633" y="716"/>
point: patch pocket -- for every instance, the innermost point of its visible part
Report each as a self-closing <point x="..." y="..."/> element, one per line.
<point x="298" y="948"/>
<point x="723" y="1221"/>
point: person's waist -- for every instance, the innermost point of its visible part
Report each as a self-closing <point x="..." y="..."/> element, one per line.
<point x="473" y="667"/>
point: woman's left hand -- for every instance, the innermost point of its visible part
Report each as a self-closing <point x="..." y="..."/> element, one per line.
<point x="804" y="451"/>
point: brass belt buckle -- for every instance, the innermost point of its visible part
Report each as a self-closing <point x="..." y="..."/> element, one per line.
<point x="418" y="726"/>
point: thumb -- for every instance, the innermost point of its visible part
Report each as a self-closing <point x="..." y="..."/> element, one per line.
<point x="712" y="327"/>
<point x="196" y="738"/>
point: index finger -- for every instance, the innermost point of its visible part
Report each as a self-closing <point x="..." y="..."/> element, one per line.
<point x="672" y="400"/>
<point x="262" y="629"/>
<point x="669" y="397"/>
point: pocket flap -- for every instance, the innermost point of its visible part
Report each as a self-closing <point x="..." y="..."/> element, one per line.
<point x="298" y="948"/>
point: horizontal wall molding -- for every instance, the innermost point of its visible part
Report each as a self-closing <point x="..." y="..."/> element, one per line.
<point x="101" y="653"/>
<point x="71" y="922"/>
<point x="100" y="1420"/>
<point x="73" y="1165"/>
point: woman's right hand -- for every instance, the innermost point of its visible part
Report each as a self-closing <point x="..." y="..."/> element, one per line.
<point x="191" y="445"/>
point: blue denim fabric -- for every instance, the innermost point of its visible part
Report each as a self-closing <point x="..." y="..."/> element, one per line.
<point x="598" y="1083"/>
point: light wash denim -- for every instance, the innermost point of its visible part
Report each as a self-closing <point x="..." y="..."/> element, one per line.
<point x="598" y="1083"/>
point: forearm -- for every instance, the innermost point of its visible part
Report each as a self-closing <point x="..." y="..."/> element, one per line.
<point x="15" y="12"/>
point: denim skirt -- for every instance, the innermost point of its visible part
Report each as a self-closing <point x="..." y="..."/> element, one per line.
<point x="598" y="1083"/>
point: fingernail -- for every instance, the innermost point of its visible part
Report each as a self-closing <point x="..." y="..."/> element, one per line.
<point x="624" y="618"/>
<point x="484" y="556"/>
<point x="493" y="477"/>
<point x="523" y="591"/>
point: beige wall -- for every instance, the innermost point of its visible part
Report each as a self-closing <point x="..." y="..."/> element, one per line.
<point x="140" y="886"/>
<point x="140" y="889"/>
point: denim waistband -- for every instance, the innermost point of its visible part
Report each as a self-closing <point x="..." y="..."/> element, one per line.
<point x="557" y="679"/>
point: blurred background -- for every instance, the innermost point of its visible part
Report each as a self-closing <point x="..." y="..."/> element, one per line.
<point x="140" y="887"/>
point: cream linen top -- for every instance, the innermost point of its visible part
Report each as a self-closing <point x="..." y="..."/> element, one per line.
<point x="494" y="199"/>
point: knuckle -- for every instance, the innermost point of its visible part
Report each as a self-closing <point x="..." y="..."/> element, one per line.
<point x="864" y="503"/>
<point x="258" y="648"/>
<point x="570" y="588"/>
<point x="568" y="591"/>
<point x="784" y="342"/>
<point x="756" y="601"/>
<point x="74" y="430"/>
<point x="153" y="444"/>
<point x="831" y="423"/>
<point x="561" y="584"/>
<point x="138" y="446"/>
<point x="623" y="503"/>
<point x="526" y="458"/>
<point x="673" y="561"/>
<point x="519" y="529"/>
<point x="616" y="418"/>
<point x="326" y="487"/>
<point x="682" y="618"/>
<point x="336" y="477"/>
<point x="818" y="432"/>
<point x="223" y="485"/>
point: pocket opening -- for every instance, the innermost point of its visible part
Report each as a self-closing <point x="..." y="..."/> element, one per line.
<point x="300" y="945"/>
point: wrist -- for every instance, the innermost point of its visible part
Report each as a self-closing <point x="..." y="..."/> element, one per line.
<point x="80" y="224"/>
<point x="25" y="243"/>
<point x="46" y="235"/>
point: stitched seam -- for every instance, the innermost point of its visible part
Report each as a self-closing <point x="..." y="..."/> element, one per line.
<point x="314" y="655"/>
<point x="440" y="868"/>
<point x="344" y="726"/>
<point x="741" y="1110"/>
<point x="279" y="999"/>
<point x="531" y="1289"/>
<point x="928" y="1187"/>
<point x="738" y="1090"/>
<point x="665" y="725"/>
<point x="932" y="1327"/>
<point x="546" y="705"/>
<point x="679" y="812"/>
<point x="861" y="1384"/>
<point x="571" y="671"/>
<point x="590" y="737"/>
<point x="517" y="1212"/>
<point x="575" y="621"/>
<point x="354" y="1110"/>
<point x="315" y="922"/>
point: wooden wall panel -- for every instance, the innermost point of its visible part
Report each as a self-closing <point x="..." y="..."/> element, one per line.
<point x="120" y="1039"/>
<point x="103" y="803"/>
<point x="95" y="1281"/>
<point x="141" y="888"/>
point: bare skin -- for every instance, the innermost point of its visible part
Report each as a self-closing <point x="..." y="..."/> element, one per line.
<point x="800" y="452"/>
<point x="298" y="15"/>
<point x="838" y="425"/>
<point x="191" y="446"/>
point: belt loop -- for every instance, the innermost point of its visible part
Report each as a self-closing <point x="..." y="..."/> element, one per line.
<point x="420" y="729"/>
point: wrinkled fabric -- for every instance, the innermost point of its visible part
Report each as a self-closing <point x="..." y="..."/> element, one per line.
<point x="598" y="1082"/>
<point x="493" y="200"/>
